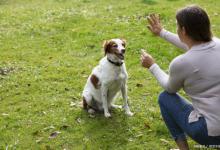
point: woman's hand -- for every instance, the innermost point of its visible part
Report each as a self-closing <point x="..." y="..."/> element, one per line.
<point x="154" y="24"/>
<point x="146" y="59"/>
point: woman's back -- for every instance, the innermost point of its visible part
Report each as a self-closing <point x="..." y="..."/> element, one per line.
<point x="203" y="83"/>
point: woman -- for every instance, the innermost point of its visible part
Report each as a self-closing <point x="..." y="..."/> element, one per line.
<point x="197" y="71"/>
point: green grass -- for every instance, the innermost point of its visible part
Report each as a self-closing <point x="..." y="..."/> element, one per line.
<point x="47" y="50"/>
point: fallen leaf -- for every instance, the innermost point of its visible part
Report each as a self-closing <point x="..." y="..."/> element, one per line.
<point x="54" y="134"/>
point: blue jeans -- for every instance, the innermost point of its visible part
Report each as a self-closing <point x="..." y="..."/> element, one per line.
<point x="175" y="111"/>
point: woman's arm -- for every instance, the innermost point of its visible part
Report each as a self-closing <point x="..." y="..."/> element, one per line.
<point x="177" y="72"/>
<point x="173" y="38"/>
<point x="171" y="83"/>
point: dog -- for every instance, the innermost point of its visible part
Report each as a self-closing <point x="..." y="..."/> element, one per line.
<point x="107" y="79"/>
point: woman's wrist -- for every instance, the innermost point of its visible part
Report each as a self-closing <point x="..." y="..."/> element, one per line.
<point x="159" y="32"/>
<point x="152" y="66"/>
<point x="162" y="32"/>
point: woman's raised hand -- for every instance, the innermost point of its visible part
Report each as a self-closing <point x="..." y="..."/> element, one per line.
<point x="154" y="24"/>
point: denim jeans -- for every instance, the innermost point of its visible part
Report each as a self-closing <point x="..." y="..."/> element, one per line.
<point x="175" y="111"/>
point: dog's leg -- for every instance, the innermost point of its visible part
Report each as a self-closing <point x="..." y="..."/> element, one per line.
<point x="104" y="91"/>
<point x="125" y="97"/>
<point x="86" y="106"/>
<point x="116" y="106"/>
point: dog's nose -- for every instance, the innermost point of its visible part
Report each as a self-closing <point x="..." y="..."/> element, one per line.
<point x="123" y="51"/>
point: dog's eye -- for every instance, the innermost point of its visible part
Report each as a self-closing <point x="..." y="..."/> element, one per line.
<point x="123" y="44"/>
<point x="115" y="45"/>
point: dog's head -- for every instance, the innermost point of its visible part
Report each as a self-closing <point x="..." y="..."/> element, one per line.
<point x="115" y="47"/>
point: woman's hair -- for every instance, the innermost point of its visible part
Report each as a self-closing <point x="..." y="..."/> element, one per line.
<point x="196" y="23"/>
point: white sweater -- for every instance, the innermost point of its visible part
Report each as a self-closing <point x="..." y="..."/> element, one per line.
<point x="198" y="72"/>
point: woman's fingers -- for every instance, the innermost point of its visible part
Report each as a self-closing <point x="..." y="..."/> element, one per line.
<point x="154" y="24"/>
<point x="158" y="18"/>
<point x="145" y="56"/>
<point x="143" y="53"/>
<point x="150" y="28"/>
<point x="155" y="19"/>
<point x="150" y="20"/>
<point x="146" y="59"/>
<point x="142" y="58"/>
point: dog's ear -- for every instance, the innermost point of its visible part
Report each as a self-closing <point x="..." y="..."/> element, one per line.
<point x="106" y="46"/>
<point x="124" y="41"/>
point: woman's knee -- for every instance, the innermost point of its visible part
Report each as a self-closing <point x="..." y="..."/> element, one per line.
<point x="162" y="97"/>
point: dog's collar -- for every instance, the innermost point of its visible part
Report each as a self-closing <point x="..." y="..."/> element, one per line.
<point x="115" y="63"/>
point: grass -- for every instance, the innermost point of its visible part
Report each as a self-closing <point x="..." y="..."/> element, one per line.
<point x="48" y="49"/>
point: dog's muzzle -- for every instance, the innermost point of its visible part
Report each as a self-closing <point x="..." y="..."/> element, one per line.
<point x="121" y="56"/>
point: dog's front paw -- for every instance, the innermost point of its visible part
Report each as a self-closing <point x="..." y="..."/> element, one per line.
<point x="107" y="115"/>
<point x="129" y="113"/>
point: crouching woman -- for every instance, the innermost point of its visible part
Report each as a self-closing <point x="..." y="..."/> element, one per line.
<point x="197" y="71"/>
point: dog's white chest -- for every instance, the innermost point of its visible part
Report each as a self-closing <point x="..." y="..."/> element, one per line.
<point x="121" y="76"/>
<point x="114" y="86"/>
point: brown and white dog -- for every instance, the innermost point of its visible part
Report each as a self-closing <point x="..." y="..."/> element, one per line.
<point x="107" y="79"/>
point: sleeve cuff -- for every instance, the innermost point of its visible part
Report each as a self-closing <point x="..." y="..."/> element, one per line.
<point x="153" y="67"/>
<point x="163" y="33"/>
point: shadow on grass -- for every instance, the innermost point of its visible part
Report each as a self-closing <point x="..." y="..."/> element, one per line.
<point x="103" y="133"/>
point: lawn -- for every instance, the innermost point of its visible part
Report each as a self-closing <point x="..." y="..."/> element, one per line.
<point x="47" y="50"/>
